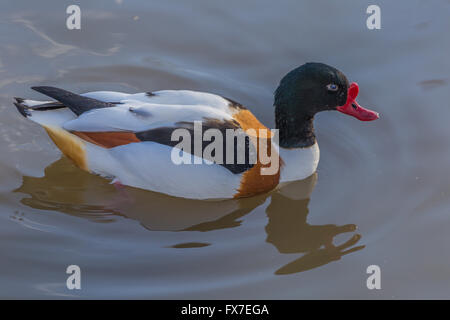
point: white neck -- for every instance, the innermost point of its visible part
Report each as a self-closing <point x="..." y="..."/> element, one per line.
<point x="299" y="163"/>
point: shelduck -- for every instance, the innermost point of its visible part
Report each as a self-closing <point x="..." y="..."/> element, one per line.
<point x="132" y="139"/>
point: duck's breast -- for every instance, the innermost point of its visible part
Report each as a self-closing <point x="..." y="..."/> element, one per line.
<point x="299" y="163"/>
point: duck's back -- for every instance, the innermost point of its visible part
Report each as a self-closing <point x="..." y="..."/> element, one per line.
<point x="129" y="137"/>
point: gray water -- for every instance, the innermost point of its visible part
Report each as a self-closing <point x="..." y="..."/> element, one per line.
<point x="380" y="195"/>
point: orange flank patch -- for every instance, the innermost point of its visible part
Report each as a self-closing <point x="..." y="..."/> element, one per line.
<point x="107" y="139"/>
<point x="253" y="182"/>
<point x="247" y="121"/>
<point x="71" y="146"/>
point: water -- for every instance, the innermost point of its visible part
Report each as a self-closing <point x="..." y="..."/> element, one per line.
<point x="380" y="196"/>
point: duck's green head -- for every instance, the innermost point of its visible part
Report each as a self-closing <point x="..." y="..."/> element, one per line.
<point x="311" y="88"/>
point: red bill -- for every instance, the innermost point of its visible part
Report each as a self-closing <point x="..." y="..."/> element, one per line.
<point x="352" y="108"/>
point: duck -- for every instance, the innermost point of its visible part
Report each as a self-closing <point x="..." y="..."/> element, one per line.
<point x="150" y="140"/>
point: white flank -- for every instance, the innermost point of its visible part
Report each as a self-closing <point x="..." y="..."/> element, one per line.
<point x="147" y="165"/>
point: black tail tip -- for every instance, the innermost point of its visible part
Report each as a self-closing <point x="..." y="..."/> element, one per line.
<point x="19" y="100"/>
<point x="46" y="90"/>
<point x="22" y="108"/>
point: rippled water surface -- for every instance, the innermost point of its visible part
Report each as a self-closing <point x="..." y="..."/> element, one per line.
<point x="381" y="194"/>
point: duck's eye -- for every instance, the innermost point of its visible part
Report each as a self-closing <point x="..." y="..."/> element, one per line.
<point x="332" y="87"/>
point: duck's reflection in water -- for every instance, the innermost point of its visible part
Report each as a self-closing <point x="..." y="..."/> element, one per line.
<point x="289" y="231"/>
<point x="67" y="189"/>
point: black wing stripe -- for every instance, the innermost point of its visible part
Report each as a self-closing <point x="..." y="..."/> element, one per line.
<point x="75" y="102"/>
<point x="163" y="136"/>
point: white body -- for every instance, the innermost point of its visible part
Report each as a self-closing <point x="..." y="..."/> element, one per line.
<point x="148" y="165"/>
